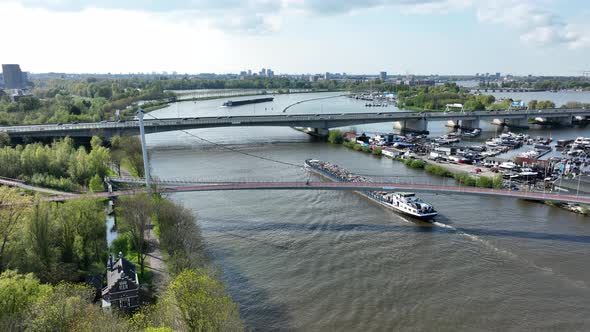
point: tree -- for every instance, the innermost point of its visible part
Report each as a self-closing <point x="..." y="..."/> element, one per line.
<point x="533" y="104"/>
<point x="335" y="137"/>
<point x="95" y="142"/>
<point x="61" y="309"/>
<point x="96" y="184"/>
<point x="202" y="302"/>
<point x="14" y="205"/>
<point x="80" y="224"/>
<point x="40" y="238"/>
<point x="4" y="139"/>
<point x="135" y="215"/>
<point x="132" y="147"/>
<point x="545" y="104"/>
<point x="17" y="293"/>
<point x="474" y="105"/>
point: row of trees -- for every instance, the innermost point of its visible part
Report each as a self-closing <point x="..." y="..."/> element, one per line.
<point x="552" y="84"/>
<point x="53" y="247"/>
<point x="60" y="165"/>
<point x="58" y="100"/>
<point x="437" y="97"/>
<point x="55" y="242"/>
<point x="194" y="301"/>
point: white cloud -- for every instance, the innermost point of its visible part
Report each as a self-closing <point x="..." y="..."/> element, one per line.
<point x="535" y="25"/>
<point x="109" y="41"/>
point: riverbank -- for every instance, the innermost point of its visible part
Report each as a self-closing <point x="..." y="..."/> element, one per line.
<point x="464" y="174"/>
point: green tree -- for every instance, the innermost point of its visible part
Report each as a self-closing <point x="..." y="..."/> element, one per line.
<point x="202" y="302"/>
<point x="18" y="292"/>
<point x="40" y="238"/>
<point x="532" y="104"/>
<point x="135" y="212"/>
<point x="14" y="207"/>
<point x="96" y="184"/>
<point x="62" y="309"/>
<point x="545" y="104"/>
<point x="335" y="137"/>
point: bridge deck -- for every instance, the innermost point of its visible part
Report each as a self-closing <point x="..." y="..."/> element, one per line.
<point x="287" y="120"/>
<point x="425" y="188"/>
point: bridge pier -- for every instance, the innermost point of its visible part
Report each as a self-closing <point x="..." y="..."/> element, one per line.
<point x="463" y="124"/>
<point x="517" y="123"/>
<point x="319" y="132"/>
<point x="470" y="124"/>
<point x="565" y="122"/>
<point x="416" y="126"/>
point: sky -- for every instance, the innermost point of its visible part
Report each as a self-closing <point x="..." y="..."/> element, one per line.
<point x="521" y="37"/>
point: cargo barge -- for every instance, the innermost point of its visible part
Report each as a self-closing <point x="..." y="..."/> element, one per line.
<point x="400" y="202"/>
<point x="231" y="103"/>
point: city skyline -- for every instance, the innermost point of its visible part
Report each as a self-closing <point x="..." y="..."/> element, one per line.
<point x="460" y="37"/>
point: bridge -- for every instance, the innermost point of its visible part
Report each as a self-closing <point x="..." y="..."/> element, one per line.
<point x="411" y="121"/>
<point x="174" y="187"/>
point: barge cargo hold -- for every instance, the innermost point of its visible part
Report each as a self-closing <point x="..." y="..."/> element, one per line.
<point x="231" y="103"/>
<point x="403" y="203"/>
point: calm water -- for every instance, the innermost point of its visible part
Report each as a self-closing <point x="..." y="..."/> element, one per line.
<point x="326" y="260"/>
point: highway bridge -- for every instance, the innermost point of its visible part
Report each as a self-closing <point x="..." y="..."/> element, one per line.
<point x="413" y="121"/>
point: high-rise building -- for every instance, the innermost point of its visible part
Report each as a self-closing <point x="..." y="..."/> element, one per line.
<point x="13" y="77"/>
<point x="383" y="75"/>
<point x="263" y="72"/>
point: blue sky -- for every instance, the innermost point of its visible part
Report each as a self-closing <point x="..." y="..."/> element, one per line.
<point x="298" y="36"/>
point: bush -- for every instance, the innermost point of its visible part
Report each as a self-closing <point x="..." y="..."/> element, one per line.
<point x="349" y="144"/>
<point x="415" y="163"/>
<point x="335" y="137"/>
<point x="465" y="179"/>
<point x="121" y="244"/>
<point x="437" y="170"/>
<point x="366" y="149"/>
<point x="484" y="182"/>
<point x="497" y="182"/>
<point x="357" y="147"/>
<point x="377" y="151"/>
<point x="96" y="185"/>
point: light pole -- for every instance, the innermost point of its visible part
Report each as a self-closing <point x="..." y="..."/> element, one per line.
<point x="146" y="163"/>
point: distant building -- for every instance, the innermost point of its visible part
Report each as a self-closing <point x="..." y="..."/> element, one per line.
<point x="13" y="77"/>
<point x="1" y="81"/>
<point x="327" y="76"/>
<point x="122" y="290"/>
<point x="383" y="75"/>
<point x="263" y="72"/>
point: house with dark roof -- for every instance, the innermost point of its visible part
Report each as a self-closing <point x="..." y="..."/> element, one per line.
<point x="122" y="290"/>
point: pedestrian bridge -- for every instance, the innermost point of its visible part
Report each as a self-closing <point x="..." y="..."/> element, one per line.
<point x="416" y="121"/>
<point x="172" y="186"/>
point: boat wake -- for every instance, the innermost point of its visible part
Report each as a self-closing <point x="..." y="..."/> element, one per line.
<point x="545" y="270"/>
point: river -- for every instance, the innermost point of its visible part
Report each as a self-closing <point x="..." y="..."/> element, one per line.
<point x="331" y="260"/>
